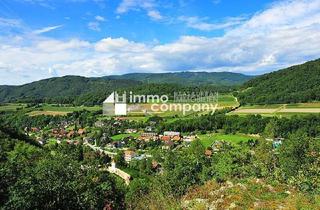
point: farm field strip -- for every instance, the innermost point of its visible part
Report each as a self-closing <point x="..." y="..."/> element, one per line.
<point x="53" y="113"/>
<point x="278" y="109"/>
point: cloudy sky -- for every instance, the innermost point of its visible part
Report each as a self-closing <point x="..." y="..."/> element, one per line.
<point x="48" y="38"/>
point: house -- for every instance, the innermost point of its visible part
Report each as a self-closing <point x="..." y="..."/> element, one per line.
<point x="71" y="134"/>
<point x="40" y="141"/>
<point x="156" y="167"/>
<point x="165" y="138"/>
<point x="55" y="131"/>
<point x="148" y="136"/>
<point x="129" y="155"/>
<point x="208" y="152"/>
<point x="189" y="139"/>
<point x="277" y="142"/>
<point x="176" y="138"/>
<point x="82" y="131"/>
<point x="171" y="133"/>
<point x="155" y="164"/>
<point x="130" y="130"/>
<point x="148" y="129"/>
<point x="35" y="130"/>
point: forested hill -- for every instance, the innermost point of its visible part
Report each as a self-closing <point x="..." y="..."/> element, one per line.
<point x="88" y="91"/>
<point x="299" y="83"/>
<point x="66" y="89"/>
<point x="189" y="78"/>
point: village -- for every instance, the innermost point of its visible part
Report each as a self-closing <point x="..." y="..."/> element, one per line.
<point x="133" y="144"/>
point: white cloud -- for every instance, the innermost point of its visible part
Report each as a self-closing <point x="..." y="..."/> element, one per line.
<point x="100" y="18"/>
<point x="6" y="22"/>
<point x="149" y="6"/>
<point x="95" y="26"/>
<point x="155" y="15"/>
<point x="47" y="29"/>
<point x="284" y="34"/>
<point x="201" y="24"/>
<point x="119" y="45"/>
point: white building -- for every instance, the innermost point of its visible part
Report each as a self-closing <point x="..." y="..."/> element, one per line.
<point x="171" y="133"/>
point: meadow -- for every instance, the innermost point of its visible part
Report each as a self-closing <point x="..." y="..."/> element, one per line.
<point x="208" y="139"/>
<point x="11" y="107"/>
<point x="51" y="109"/>
<point x="124" y="135"/>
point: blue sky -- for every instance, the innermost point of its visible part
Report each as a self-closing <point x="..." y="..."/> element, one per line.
<point x="46" y="38"/>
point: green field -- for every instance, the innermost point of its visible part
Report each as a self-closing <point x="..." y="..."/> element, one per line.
<point x="49" y="109"/>
<point x="267" y="106"/>
<point x="124" y="135"/>
<point x="208" y="139"/>
<point x="11" y="107"/>
<point x="227" y="100"/>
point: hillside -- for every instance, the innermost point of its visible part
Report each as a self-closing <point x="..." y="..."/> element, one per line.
<point x="299" y="83"/>
<point x="63" y="89"/>
<point x="249" y="194"/>
<point x="189" y="78"/>
<point x="89" y="91"/>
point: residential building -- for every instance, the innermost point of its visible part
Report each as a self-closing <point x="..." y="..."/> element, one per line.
<point x="171" y="133"/>
<point x="129" y="155"/>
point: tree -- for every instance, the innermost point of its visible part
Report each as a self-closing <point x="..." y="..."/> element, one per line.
<point x="119" y="159"/>
<point x="58" y="182"/>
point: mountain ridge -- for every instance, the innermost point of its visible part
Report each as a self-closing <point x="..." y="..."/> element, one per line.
<point x="78" y="89"/>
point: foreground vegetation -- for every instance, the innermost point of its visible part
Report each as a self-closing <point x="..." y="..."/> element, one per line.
<point x="246" y="172"/>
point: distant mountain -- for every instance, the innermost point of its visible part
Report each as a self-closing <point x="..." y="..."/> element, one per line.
<point x="299" y="83"/>
<point x="188" y="78"/>
<point x="63" y="89"/>
<point x="82" y="90"/>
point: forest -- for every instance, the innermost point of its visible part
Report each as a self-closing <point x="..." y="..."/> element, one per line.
<point x="291" y="85"/>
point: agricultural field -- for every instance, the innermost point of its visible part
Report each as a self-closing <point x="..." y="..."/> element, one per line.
<point x="11" y="107"/>
<point x="49" y="109"/>
<point x="281" y="110"/>
<point x="53" y="113"/>
<point x="208" y="139"/>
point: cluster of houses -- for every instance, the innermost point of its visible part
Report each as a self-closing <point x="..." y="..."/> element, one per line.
<point x="168" y="136"/>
